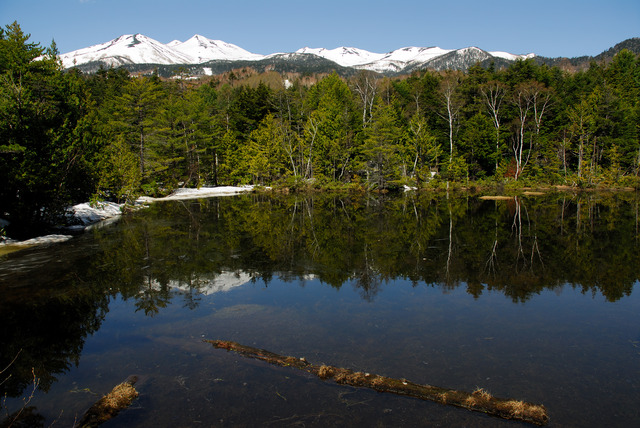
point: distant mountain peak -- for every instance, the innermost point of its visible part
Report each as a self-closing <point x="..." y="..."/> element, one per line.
<point x="202" y="49"/>
<point x="126" y="49"/>
<point x="130" y="49"/>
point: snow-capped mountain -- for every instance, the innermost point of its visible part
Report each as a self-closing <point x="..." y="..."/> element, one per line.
<point x="347" y="57"/>
<point x="400" y="59"/>
<point x="456" y="58"/>
<point x="140" y="49"/>
<point x="388" y="62"/>
<point x="201" y="49"/>
<point x="510" y="57"/>
<point x="129" y="50"/>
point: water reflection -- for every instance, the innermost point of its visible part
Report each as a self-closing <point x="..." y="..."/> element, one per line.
<point x="175" y="253"/>
<point x="519" y="246"/>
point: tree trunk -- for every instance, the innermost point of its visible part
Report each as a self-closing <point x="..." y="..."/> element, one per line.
<point x="479" y="400"/>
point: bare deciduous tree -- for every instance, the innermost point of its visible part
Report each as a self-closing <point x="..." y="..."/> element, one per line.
<point x="365" y="85"/>
<point x="494" y="93"/>
<point x="530" y="98"/>
<point x="452" y="104"/>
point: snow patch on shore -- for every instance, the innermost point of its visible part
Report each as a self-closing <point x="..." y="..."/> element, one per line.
<point x="87" y="214"/>
<point x="40" y="240"/>
<point x="202" y="192"/>
<point x="80" y="216"/>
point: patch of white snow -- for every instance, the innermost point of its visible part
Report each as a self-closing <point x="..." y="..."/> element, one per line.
<point x="47" y="239"/>
<point x="203" y="192"/>
<point x="510" y="56"/>
<point x="88" y="214"/>
<point x="202" y="49"/>
<point x="345" y="56"/>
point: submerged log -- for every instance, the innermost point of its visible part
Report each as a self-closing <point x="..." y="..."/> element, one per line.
<point x="120" y="397"/>
<point x="479" y="400"/>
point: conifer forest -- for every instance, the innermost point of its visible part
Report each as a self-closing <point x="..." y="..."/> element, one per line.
<point x="66" y="136"/>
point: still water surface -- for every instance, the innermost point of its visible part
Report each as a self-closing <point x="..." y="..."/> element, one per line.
<point x="533" y="298"/>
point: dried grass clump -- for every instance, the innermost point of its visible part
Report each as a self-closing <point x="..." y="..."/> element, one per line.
<point x="471" y="401"/>
<point x="340" y="377"/>
<point x="515" y="407"/>
<point x="377" y="381"/>
<point x="357" y="378"/>
<point x="536" y="412"/>
<point x="482" y="394"/>
<point x="325" y="372"/>
<point x="121" y="396"/>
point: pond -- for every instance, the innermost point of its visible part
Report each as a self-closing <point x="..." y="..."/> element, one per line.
<point x="534" y="298"/>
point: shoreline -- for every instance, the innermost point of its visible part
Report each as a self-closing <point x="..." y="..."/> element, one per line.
<point x="82" y="216"/>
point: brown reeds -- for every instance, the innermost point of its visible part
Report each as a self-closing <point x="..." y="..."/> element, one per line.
<point x="120" y="397"/>
<point x="480" y="400"/>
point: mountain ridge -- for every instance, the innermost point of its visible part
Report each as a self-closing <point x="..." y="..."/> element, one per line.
<point x="198" y="50"/>
<point x="202" y="56"/>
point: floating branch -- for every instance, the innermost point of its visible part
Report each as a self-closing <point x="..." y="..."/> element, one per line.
<point x="120" y="397"/>
<point x="479" y="400"/>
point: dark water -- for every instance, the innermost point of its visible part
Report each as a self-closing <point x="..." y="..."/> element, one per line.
<point x="534" y="299"/>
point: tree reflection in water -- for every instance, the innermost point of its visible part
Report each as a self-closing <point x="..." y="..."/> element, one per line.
<point x="53" y="298"/>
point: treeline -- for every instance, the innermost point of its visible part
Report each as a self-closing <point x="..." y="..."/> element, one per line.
<point x="65" y="136"/>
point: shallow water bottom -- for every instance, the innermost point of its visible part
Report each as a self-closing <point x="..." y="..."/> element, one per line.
<point x="568" y="351"/>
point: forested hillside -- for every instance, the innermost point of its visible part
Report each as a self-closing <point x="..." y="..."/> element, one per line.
<point x="67" y="137"/>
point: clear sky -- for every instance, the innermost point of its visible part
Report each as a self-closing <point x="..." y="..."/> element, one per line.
<point x="549" y="28"/>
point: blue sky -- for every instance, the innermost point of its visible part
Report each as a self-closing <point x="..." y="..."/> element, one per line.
<point x="548" y="28"/>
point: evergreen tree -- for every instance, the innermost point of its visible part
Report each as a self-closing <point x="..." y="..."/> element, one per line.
<point x="39" y="110"/>
<point x="134" y="114"/>
<point x="381" y="146"/>
<point x="266" y="158"/>
<point x="330" y="128"/>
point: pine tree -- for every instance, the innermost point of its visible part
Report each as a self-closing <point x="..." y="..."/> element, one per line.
<point x="381" y="145"/>
<point x="40" y="107"/>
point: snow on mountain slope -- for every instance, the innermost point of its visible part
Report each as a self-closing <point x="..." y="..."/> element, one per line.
<point x="400" y="58"/>
<point x="390" y="61"/>
<point x="139" y="49"/>
<point x="202" y="49"/>
<point x="472" y="52"/>
<point x="413" y="54"/>
<point x="459" y="59"/>
<point x="127" y="49"/>
<point x="347" y="57"/>
<point x="510" y="56"/>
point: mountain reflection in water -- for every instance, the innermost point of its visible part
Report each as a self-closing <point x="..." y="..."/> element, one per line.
<point x="176" y="258"/>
